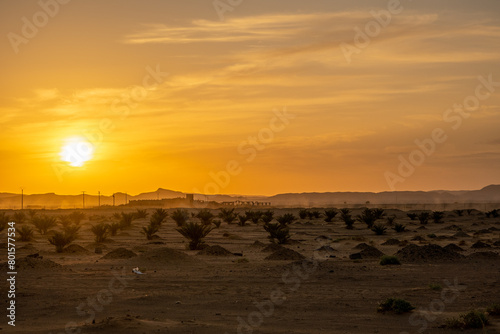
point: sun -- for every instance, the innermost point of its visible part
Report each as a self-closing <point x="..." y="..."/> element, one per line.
<point x="76" y="151"/>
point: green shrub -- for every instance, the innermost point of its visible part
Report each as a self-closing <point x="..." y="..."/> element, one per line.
<point x="389" y="260"/>
<point x="395" y="305"/>
<point x="471" y="320"/>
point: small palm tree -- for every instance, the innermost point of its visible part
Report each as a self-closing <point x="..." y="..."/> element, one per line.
<point x="114" y="228"/>
<point x="205" y="216"/>
<point x="43" y="223"/>
<point x="150" y="231"/>
<point x="253" y="216"/>
<point x="126" y="220"/>
<point x="242" y="219"/>
<point x="19" y="217"/>
<point x="71" y="231"/>
<point x="286" y="219"/>
<point x="227" y="215"/>
<point x="195" y="233"/>
<point x="76" y="217"/>
<point x="412" y="216"/>
<point x="25" y="232"/>
<point x="60" y="240"/>
<point x="140" y="214"/>
<point x="367" y="216"/>
<point x="180" y="217"/>
<point x="399" y="228"/>
<point x="267" y="216"/>
<point x="438" y="216"/>
<point x="330" y="214"/>
<point x="390" y="220"/>
<point x="4" y="220"/>
<point x="278" y="233"/>
<point x="100" y="231"/>
<point x="64" y="220"/>
<point x="423" y="217"/>
<point x="379" y="229"/>
<point x="303" y="213"/>
<point x="159" y="216"/>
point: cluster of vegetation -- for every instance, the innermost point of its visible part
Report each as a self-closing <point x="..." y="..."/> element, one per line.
<point x="370" y="216"/>
<point x="155" y="222"/>
<point x="399" y="228"/>
<point x="389" y="260"/>
<point x="346" y="217"/>
<point x="470" y="320"/>
<point x="330" y="214"/>
<point x="195" y="233"/>
<point x="310" y="214"/>
<point x="395" y="305"/>
<point x="493" y="213"/>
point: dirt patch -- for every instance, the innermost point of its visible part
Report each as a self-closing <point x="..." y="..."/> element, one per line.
<point x="427" y="253"/>
<point x="215" y="250"/>
<point x="119" y="253"/>
<point x="285" y="254"/>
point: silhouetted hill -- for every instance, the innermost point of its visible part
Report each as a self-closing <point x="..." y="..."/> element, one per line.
<point x="488" y="194"/>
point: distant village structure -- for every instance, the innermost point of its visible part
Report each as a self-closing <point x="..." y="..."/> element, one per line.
<point x="190" y="202"/>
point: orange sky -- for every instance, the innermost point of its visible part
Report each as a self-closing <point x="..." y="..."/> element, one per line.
<point x="211" y="110"/>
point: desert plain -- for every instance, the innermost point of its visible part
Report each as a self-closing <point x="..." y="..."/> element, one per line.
<point x="333" y="282"/>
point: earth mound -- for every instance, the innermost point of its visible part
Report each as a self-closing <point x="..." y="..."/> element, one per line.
<point x="215" y="250"/>
<point x="368" y="252"/>
<point x="453" y="247"/>
<point x="272" y="248"/>
<point x="165" y="255"/>
<point x="33" y="262"/>
<point x="75" y="249"/>
<point x="390" y="242"/>
<point x="258" y="243"/>
<point x="483" y="256"/>
<point x="427" y="253"/>
<point x="285" y="254"/>
<point x="480" y="244"/>
<point x="119" y="253"/>
<point x="361" y="246"/>
<point x="461" y="234"/>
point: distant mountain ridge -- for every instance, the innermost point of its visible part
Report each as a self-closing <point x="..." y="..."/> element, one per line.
<point x="488" y="194"/>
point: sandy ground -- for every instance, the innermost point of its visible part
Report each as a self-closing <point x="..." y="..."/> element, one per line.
<point x="327" y="292"/>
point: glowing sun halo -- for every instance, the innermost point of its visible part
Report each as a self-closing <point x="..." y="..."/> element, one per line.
<point x="76" y="151"/>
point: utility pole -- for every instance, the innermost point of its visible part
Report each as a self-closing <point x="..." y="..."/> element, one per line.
<point x="99" y="199"/>
<point x="126" y="196"/>
<point x="83" y="198"/>
<point x="22" y="198"/>
<point x="113" y="199"/>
